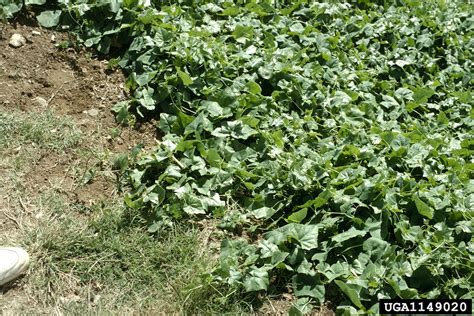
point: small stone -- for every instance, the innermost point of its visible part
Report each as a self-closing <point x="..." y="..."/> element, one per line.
<point x="17" y="40"/>
<point x="40" y="101"/>
<point x="35" y="32"/>
<point x="53" y="38"/>
<point x="93" y="112"/>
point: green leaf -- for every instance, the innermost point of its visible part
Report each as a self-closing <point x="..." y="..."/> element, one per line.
<point x="185" y="78"/>
<point x="421" y="95"/>
<point x="350" y="291"/>
<point x="254" y="87"/>
<point x="145" y="98"/>
<point x="351" y="233"/>
<point x="234" y="129"/>
<point x="145" y="77"/>
<point x="297" y="27"/>
<point x="263" y="212"/>
<point x="375" y="247"/>
<point x="306" y="235"/>
<point x="309" y="286"/>
<point x="278" y="139"/>
<point x="214" y="109"/>
<point x="320" y="201"/>
<point x="423" y="208"/>
<point x="120" y="162"/>
<point x="242" y="31"/>
<point x="231" y="11"/>
<point x="49" y="18"/>
<point x="121" y="108"/>
<point x="256" y="280"/>
<point x="301" y="307"/>
<point x="298" y="217"/>
<point x="214" y="158"/>
<point x="8" y="9"/>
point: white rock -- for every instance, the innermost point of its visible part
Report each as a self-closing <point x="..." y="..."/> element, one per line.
<point x="53" y="38"/>
<point x="93" y="112"/>
<point x="40" y="101"/>
<point x="35" y="32"/>
<point x="17" y="40"/>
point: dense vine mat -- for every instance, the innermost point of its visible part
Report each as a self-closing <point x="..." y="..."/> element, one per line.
<point x="334" y="139"/>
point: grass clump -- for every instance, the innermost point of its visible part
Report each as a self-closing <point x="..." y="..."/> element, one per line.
<point x="44" y="130"/>
<point x="111" y="263"/>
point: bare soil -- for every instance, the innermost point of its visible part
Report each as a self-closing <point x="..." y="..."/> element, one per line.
<point x="75" y="85"/>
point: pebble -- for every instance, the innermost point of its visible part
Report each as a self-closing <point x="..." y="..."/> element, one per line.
<point x="53" y="38"/>
<point x="17" y="40"/>
<point x="93" y="112"/>
<point x="40" y="101"/>
<point x="35" y="32"/>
